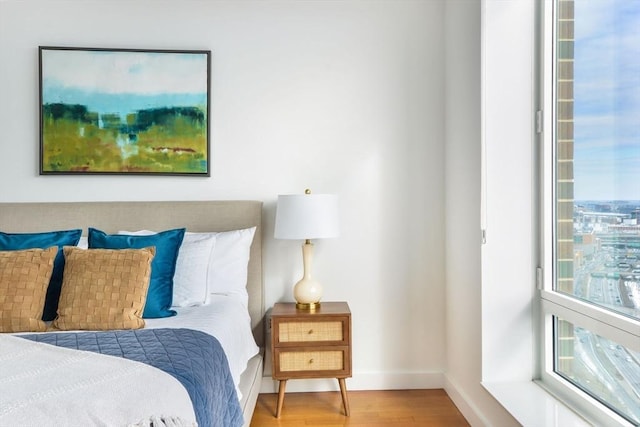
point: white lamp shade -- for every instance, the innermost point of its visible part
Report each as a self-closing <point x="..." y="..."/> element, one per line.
<point x="307" y="216"/>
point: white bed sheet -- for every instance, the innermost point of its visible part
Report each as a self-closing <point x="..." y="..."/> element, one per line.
<point x="227" y="319"/>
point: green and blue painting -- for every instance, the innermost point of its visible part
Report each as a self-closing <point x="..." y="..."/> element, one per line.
<point x="124" y="111"/>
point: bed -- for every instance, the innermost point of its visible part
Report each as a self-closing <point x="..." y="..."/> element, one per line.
<point x="163" y="397"/>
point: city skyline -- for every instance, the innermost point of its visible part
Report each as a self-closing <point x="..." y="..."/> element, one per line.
<point x="607" y="100"/>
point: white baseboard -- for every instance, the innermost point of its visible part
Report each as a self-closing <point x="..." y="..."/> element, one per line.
<point x="470" y="411"/>
<point x="362" y="381"/>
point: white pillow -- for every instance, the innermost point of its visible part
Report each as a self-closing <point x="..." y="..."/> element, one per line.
<point x="190" y="281"/>
<point x="83" y="243"/>
<point x="229" y="263"/>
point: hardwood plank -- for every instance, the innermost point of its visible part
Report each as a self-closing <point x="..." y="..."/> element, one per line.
<point x="376" y="408"/>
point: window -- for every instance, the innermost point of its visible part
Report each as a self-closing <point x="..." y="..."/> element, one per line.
<point x="590" y="298"/>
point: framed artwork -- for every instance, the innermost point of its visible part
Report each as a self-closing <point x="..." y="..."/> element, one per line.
<point x="124" y="111"/>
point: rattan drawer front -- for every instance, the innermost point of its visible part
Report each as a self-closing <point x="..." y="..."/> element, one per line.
<point x="310" y="331"/>
<point x="292" y="361"/>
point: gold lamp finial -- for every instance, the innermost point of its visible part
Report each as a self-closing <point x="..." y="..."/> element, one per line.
<point x="307" y="191"/>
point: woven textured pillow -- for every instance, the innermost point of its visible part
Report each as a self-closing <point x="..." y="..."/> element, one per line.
<point x="18" y="241"/>
<point x="104" y="289"/>
<point x="167" y="244"/>
<point x="24" y="278"/>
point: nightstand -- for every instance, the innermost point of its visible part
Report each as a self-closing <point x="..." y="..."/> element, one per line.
<point x="311" y="344"/>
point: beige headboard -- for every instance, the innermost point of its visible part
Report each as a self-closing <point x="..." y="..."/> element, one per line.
<point x="196" y="216"/>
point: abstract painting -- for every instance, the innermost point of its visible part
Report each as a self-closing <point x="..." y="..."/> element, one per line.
<point x="124" y="111"/>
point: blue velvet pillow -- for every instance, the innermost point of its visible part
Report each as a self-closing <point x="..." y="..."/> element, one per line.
<point x="18" y="241"/>
<point x="163" y="266"/>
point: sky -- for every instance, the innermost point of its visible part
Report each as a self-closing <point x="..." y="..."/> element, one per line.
<point x="123" y="82"/>
<point x="607" y="100"/>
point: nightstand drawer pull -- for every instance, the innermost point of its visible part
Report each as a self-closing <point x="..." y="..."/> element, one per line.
<point x="311" y="361"/>
<point x="310" y="331"/>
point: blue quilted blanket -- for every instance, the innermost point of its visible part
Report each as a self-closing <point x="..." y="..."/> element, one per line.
<point x="195" y="358"/>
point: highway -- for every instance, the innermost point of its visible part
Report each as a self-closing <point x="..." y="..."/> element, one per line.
<point x="611" y="279"/>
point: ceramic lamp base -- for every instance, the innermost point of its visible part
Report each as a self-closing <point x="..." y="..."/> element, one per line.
<point x="307" y="292"/>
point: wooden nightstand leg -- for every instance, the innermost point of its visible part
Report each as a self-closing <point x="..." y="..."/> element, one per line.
<point x="281" y="388"/>
<point x="345" y="397"/>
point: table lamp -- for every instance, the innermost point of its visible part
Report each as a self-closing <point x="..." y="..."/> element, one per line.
<point x="305" y="217"/>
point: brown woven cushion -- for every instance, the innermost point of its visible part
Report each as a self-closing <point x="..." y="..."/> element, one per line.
<point x="24" y="278"/>
<point x="103" y="288"/>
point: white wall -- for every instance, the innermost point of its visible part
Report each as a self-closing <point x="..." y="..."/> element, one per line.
<point x="464" y="312"/>
<point x="343" y="97"/>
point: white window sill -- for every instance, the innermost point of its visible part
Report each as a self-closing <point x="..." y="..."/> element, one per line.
<point x="531" y="405"/>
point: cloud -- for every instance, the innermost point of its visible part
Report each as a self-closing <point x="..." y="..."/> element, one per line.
<point x="607" y="94"/>
<point x="110" y="72"/>
<point x="607" y="100"/>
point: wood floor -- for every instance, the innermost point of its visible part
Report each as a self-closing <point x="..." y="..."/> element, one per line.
<point x="424" y="408"/>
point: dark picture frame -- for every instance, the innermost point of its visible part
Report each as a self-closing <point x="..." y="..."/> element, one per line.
<point x="124" y="111"/>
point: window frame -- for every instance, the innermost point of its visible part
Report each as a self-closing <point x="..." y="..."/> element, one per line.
<point x="606" y="323"/>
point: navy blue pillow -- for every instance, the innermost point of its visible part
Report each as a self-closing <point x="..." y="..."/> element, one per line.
<point x="19" y="241"/>
<point x="163" y="266"/>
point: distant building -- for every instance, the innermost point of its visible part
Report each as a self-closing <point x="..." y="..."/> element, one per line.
<point x="564" y="175"/>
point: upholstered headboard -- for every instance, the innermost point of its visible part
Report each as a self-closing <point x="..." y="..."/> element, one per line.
<point x="196" y="216"/>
